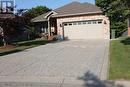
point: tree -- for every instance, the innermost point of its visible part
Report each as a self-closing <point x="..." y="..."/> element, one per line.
<point x="35" y="11"/>
<point x="117" y="11"/>
<point x="10" y="29"/>
<point x="32" y="13"/>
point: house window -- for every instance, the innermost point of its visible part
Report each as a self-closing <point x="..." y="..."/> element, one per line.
<point x="94" y="22"/>
<point x="99" y="22"/>
<point x="70" y="24"/>
<point x="89" y="22"/>
<point x="84" y="22"/>
<point x="65" y="24"/>
<point x="79" y="23"/>
<point x="74" y="23"/>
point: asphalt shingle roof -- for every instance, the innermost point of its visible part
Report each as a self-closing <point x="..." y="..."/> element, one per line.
<point x="74" y="8"/>
<point x="40" y="18"/>
<point x="77" y="8"/>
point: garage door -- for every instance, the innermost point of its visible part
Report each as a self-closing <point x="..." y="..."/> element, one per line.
<point x="90" y="29"/>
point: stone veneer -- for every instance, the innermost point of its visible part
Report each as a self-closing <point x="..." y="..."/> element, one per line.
<point x="106" y="23"/>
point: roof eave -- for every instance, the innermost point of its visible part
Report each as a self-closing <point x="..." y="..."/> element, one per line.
<point x="51" y="12"/>
<point x="36" y="21"/>
<point x="44" y="18"/>
<point x="76" y="14"/>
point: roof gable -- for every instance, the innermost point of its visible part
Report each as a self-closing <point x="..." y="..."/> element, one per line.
<point x="77" y="8"/>
<point x="43" y="17"/>
<point x="72" y="9"/>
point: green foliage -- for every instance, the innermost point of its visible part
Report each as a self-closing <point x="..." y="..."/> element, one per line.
<point x="36" y="11"/>
<point x="10" y="29"/>
<point x="13" y="27"/>
<point x="27" y="14"/>
<point x="117" y="11"/>
<point x="32" y="13"/>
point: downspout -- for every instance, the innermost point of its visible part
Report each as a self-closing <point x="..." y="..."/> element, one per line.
<point x="63" y="36"/>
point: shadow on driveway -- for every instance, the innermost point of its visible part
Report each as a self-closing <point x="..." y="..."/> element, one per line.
<point x="93" y="81"/>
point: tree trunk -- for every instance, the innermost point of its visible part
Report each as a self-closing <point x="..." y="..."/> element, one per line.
<point x="4" y="42"/>
<point x="2" y="34"/>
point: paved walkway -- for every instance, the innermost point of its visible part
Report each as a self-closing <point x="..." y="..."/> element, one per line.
<point x="64" y="63"/>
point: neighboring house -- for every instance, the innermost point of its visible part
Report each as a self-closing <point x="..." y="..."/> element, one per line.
<point x="75" y="21"/>
<point x="129" y="26"/>
<point x="7" y="8"/>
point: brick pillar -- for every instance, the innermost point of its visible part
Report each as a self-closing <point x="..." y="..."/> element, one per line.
<point x="129" y="26"/>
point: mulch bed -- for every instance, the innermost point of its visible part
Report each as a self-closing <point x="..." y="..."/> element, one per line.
<point x="8" y="47"/>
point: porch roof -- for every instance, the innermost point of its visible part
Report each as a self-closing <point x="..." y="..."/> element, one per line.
<point x="40" y="18"/>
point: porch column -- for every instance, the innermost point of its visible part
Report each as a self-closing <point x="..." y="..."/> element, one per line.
<point x="129" y="26"/>
<point x="49" y="30"/>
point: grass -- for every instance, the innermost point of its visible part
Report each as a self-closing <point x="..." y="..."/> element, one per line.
<point x="120" y="59"/>
<point x="21" y="46"/>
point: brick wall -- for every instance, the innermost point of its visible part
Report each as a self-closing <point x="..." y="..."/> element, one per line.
<point x="106" y="23"/>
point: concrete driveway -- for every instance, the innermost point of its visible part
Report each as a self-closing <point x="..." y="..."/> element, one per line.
<point x="70" y="62"/>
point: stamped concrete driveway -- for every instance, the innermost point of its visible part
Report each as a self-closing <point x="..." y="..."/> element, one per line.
<point x="71" y="62"/>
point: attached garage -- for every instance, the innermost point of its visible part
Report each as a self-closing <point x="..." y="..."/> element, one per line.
<point x="89" y="29"/>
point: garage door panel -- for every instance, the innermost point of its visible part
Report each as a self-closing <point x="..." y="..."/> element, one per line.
<point x="84" y="31"/>
<point x="74" y="33"/>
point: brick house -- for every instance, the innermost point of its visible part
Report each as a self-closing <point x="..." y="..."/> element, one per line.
<point x="75" y="21"/>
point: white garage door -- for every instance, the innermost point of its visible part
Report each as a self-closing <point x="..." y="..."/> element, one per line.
<point x="91" y="29"/>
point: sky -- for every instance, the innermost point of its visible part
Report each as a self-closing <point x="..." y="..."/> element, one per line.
<point x="53" y="4"/>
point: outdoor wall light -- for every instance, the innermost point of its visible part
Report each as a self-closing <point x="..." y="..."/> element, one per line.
<point x="61" y="25"/>
<point x="105" y="22"/>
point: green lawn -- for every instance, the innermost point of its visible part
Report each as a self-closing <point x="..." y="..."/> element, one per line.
<point x="22" y="46"/>
<point x="120" y="59"/>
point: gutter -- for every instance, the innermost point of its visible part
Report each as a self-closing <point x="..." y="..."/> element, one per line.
<point x="86" y="13"/>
